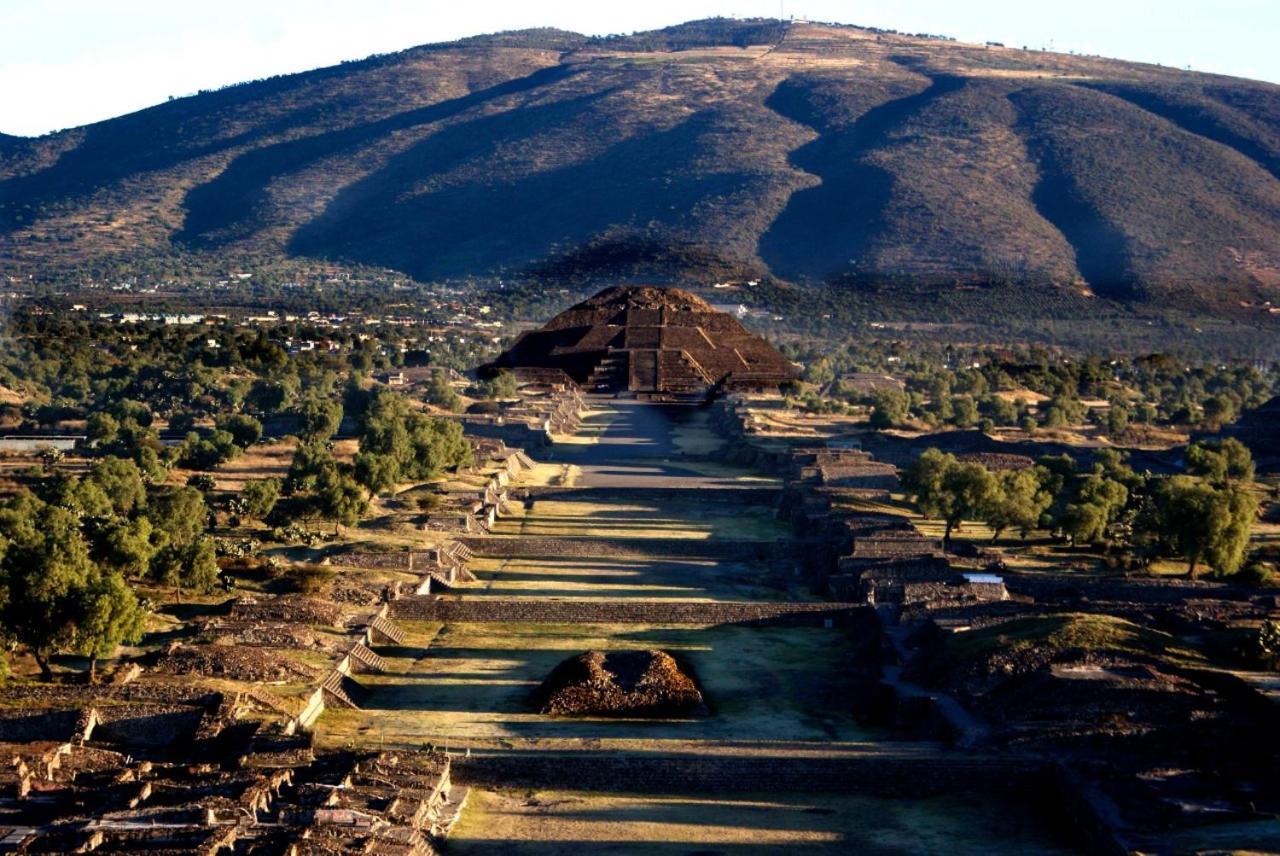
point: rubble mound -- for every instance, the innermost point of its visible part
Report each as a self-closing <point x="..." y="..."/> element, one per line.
<point x="234" y="663"/>
<point x="619" y="683"/>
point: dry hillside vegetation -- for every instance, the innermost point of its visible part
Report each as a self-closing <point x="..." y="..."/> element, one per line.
<point x="808" y="152"/>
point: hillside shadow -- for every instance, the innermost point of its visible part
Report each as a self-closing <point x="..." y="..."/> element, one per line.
<point x="829" y="229"/>
<point x="638" y="185"/>
<point x="156" y="139"/>
<point x="223" y="209"/>
<point x="1101" y="249"/>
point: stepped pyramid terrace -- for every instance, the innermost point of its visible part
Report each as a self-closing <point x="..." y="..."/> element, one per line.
<point x="649" y="341"/>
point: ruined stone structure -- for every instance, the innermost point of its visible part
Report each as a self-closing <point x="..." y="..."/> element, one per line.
<point x="649" y="341"/>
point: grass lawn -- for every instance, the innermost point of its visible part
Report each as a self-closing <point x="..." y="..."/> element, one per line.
<point x="644" y="519"/>
<point x="567" y="823"/>
<point x="599" y="578"/>
<point x="467" y="685"/>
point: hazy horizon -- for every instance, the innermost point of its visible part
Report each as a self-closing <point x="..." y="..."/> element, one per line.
<point x="79" y="62"/>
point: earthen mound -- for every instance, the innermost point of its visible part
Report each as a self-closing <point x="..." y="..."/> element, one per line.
<point x="619" y="683"/>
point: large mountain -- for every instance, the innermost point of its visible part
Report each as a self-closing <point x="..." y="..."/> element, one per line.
<point x="805" y="152"/>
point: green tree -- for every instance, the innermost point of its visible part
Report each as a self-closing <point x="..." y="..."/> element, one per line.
<point x="121" y="481"/>
<point x="243" y="429"/>
<point x="952" y="491"/>
<point x="102" y="428"/>
<point x="1002" y="411"/>
<point x="377" y="472"/>
<point x="965" y="411"/>
<point x="338" y="497"/>
<point x="1228" y="460"/>
<point x="890" y="408"/>
<point x="1084" y="522"/>
<point x="501" y="386"/>
<point x="441" y="393"/>
<point x="128" y="546"/>
<point x="180" y="515"/>
<point x="111" y="615"/>
<point x="52" y="596"/>
<point x="192" y="566"/>
<point x="1019" y="503"/>
<point x="1219" y="410"/>
<point x="259" y="497"/>
<point x="1206" y="523"/>
<point x="1117" y="420"/>
<point x="320" y="419"/>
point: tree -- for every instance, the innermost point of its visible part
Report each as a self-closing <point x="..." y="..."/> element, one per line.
<point x="310" y="460"/>
<point x="191" y="566"/>
<point x="52" y="596"/>
<point x="501" y="386"/>
<point x="1220" y="462"/>
<point x="320" y="419"/>
<point x="127" y="546"/>
<point x="102" y="428"/>
<point x="1219" y="410"/>
<point x="1117" y="420"/>
<point x="1020" y="502"/>
<point x="1002" y="411"/>
<point x="180" y="514"/>
<point x="338" y="497"/>
<point x="1084" y="522"/>
<point x="206" y="453"/>
<point x="82" y="497"/>
<point x="121" y="482"/>
<point x="965" y="411"/>
<point x="259" y="496"/>
<point x="1206" y="523"/>
<point x="377" y="472"/>
<point x="112" y="614"/>
<point x="243" y="429"/>
<point x="947" y="489"/>
<point x="441" y="393"/>
<point x="890" y="408"/>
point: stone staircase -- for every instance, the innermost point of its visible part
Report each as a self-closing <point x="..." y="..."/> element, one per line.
<point x="681" y="374"/>
<point x="387" y="629"/>
<point x="337" y="691"/>
<point x="609" y="375"/>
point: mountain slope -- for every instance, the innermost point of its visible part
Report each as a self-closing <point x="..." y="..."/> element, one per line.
<point x="871" y="162"/>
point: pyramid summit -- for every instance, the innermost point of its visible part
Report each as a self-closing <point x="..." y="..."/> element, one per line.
<point x="649" y="340"/>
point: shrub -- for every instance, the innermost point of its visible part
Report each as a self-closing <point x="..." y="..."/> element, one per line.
<point x="309" y="579"/>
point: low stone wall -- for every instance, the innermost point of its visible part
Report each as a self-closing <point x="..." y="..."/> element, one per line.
<point x="492" y="609"/>
<point x="28" y="725"/>
<point x="883" y="773"/>
<point x="146" y="727"/>
<point x="1059" y="586"/>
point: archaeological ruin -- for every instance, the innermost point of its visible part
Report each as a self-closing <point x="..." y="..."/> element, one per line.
<point x="656" y="342"/>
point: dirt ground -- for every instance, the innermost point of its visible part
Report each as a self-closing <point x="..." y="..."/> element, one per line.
<point x="566" y="823"/>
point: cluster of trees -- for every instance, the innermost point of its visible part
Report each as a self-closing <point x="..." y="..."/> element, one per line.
<point x="72" y="366"/>
<point x="398" y="443"/>
<point x="950" y="385"/>
<point x="1205" y="515"/>
<point x="69" y="552"/>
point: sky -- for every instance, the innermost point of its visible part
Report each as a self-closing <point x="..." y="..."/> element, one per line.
<point x="65" y="63"/>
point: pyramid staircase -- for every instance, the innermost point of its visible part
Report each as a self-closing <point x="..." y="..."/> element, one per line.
<point x="610" y="374"/>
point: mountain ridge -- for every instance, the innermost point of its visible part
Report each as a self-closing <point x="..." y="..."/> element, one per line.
<point x="863" y="161"/>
